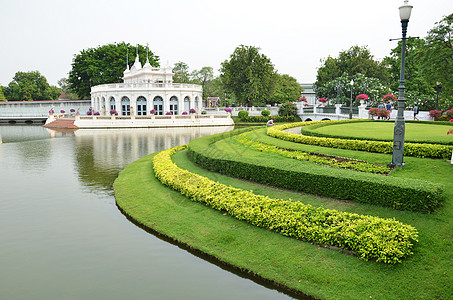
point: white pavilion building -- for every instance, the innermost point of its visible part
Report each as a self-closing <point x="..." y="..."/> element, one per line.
<point x="146" y="88"/>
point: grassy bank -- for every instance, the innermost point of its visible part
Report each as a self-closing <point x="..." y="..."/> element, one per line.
<point x="301" y="266"/>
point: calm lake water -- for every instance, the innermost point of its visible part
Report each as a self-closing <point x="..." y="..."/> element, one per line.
<point x="62" y="236"/>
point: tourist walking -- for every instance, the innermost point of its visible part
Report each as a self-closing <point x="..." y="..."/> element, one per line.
<point x="380" y="106"/>
<point x="415" y="112"/>
<point x="388" y="107"/>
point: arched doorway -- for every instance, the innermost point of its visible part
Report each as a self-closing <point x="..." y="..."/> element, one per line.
<point x="141" y="106"/>
<point x="174" y="105"/>
<point x="112" y="104"/>
<point x="187" y="104"/>
<point x="125" y="106"/>
<point x="158" y="104"/>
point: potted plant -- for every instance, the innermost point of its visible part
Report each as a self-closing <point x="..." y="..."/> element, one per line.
<point x="184" y="112"/>
<point x="322" y="100"/>
<point x="228" y="110"/>
<point x="192" y="111"/>
<point x="153" y="111"/>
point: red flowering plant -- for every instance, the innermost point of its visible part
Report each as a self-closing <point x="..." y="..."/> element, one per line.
<point x="303" y="99"/>
<point x="322" y="100"/>
<point x="449" y="114"/>
<point x="435" y="114"/>
<point x="373" y="112"/>
<point x="451" y="130"/>
<point x="383" y="113"/>
<point x="389" y="97"/>
<point x="362" y="97"/>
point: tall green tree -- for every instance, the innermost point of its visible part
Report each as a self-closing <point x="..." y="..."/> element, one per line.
<point x="352" y="61"/>
<point x="104" y="64"/>
<point x="2" y="96"/>
<point x="417" y="88"/>
<point x="249" y="75"/>
<point x="181" y="71"/>
<point x="63" y="83"/>
<point x="30" y="86"/>
<point x="436" y="59"/>
<point x="286" y="89"/>
<point x="204" y="77"/>
<point x="340" y="89"/>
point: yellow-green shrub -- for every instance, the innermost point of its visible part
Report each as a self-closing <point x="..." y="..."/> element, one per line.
<point x="385" y="240"/>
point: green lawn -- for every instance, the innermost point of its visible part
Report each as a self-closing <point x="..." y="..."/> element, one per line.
<point x="419" y="132"/>
<point x="297" y="265"/>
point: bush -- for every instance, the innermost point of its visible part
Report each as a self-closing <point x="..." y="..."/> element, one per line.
<point x="287" y="109"/>
<point x="398" y="193"/>
<point x="152" y="111"/>
<point x="265" y="112"/>
<point x="228" y="109"/>
<point x="449" y="114"/>
<point x="243" y="114"/>
<point x="318" y="139"/>
<point x="192" y="111"/>
<point x="385" y="240"/>
<point x="184" y="112"/>
<point x="435" y="114"/>
<point x="261" y="119"/>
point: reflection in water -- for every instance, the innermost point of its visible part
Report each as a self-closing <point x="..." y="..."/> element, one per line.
<point x="62" y="236"/>
<point x="102" y="154"/>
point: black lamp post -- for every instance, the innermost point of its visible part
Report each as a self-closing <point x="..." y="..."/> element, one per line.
<point x="399" y="130"/>
<point x="438" y="87"/>
<point x="350" y="103"/>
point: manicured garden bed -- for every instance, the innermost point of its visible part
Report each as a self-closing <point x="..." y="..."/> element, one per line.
<point x="301" y="266"/>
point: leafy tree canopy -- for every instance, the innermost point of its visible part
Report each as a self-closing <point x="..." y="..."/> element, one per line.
<point x="249" y="75"/>
<point x="417" y="89"/>
<point x="104" y="64"/>
<point x="340" y="88"/>
<point x="2" y="96"/>
<point x="355" y="60"/>
<point x="286" y="89"/>
<point x="181" y="71"/>
<point x="30" y="86"/>
<point x="436" y="59"/>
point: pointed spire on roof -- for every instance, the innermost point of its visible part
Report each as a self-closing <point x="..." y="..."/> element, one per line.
<point x="147" y="64"/>
<point x="127" y="63"/>
<point x="137" y="65"/>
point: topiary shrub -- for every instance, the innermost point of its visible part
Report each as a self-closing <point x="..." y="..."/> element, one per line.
<point x="265" y="113"/>
<point x="243" y="114"/>
<point x="287" y="109"/>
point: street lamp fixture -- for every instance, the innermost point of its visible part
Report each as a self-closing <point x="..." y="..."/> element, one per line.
<point x="399" y="129"/>
<point x="438" y="88"/>
<point x="350" y="103"/>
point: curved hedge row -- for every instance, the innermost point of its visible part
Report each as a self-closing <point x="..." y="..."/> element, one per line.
<point x="410" y="149"/>
<point x="398" y="193"/>
<point x="310" y="131"/>
<point x="385" y="240"/>
<point x="356" y="165"/>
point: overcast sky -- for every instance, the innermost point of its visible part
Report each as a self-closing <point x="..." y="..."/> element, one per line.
<point x="45" y="35"/>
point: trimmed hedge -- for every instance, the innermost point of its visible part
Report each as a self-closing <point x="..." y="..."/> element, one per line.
<point x="385" y="240"/>
<point x="310" y="131"/>
<point x="398" y="193"/>
<point x="410" y="149"/>
<point x="264" y="119"/>
<point x="356" y="165"/>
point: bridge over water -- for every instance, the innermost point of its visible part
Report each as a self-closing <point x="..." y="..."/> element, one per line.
<point x="37" y="111"/>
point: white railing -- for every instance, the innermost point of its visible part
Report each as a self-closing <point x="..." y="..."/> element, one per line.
<point x="148" y="86"/>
